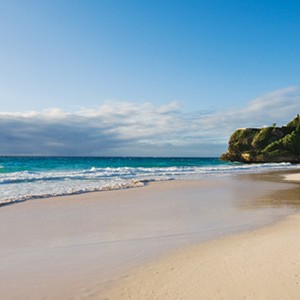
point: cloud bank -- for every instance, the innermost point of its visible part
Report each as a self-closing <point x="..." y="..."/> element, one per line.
<point x="128" y="129"/>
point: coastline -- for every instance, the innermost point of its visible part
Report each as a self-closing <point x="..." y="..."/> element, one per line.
<point x="255" y="264"/>
<point x="261" y="264"/>
<point x="56" y="243"/>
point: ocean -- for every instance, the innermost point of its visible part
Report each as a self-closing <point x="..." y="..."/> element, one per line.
<point x="23" y="178"/>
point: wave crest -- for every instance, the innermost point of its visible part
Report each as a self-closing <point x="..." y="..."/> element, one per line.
<point x="23" y="185"/>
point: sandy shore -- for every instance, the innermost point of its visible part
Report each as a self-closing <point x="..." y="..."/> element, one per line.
<point x="258" y="264"/>
<point x="263" y="264"/>
<point x="106" y="245"/>
<point x="292" y="177"/>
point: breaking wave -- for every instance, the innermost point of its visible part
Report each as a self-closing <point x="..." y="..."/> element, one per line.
<point x="30" y="184"/>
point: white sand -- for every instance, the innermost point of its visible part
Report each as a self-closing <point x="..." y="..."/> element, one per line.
<point x="78" y="247"/>
<point x="292" y="177"/>
<point x="263" y="264"/>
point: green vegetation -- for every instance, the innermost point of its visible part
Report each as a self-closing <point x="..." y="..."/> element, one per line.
<point x="288" y="144"/>
<point x="268" y="144"/>
<point x="295" y="122"/>
<point x="262" y="137"/>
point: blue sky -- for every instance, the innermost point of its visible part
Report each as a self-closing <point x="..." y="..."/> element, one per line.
<point x="144" y="77"/>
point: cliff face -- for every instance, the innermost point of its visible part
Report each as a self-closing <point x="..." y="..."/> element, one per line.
<point x="269" y="144"/>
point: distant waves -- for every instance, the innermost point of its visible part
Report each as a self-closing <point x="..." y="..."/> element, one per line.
<point x="30" y="178"/>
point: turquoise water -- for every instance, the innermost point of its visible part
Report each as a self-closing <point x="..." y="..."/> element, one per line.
<point x="23" y="178"/>
<point x="17" y="164"/>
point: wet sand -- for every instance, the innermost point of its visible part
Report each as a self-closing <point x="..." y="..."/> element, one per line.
<point x="262" y="264"/>
<point x="83" y="246"/>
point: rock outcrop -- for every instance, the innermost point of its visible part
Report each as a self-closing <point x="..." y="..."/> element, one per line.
<point x="268" y="144"/>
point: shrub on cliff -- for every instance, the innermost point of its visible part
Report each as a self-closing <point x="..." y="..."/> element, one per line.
<point x="268" y="144"/>
<point x="288" y="144"/>
<point x="295" y="122"/>
<point x="262" y="138"/>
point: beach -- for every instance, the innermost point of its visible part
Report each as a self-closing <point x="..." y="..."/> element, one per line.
<point x="149" y="150"/>
<point x="263" y="264"/>
<point x="218" y="238"/>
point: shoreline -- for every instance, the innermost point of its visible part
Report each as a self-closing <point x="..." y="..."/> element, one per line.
<point x="89" y="242"/>
<point x="9" y="196"/>
<point x="258" y="264"/>
<point x="255" y="264"/>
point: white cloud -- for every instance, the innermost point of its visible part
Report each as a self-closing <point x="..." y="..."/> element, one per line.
<point x="125" y="128"/>
<point x="275" y="107"/>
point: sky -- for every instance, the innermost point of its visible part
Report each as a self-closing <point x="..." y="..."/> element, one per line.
<point x="144" y="78"/>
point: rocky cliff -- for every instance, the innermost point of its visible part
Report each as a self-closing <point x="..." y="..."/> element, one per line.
<point x="268" y="144"/>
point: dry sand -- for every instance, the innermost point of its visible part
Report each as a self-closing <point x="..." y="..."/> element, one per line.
<point x="259" y="264"/>
<point x="292" y="177"/>
<point x="263" y="264"/>
<point x="88" y="246"/>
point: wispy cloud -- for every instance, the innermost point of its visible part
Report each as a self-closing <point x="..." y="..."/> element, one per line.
<point x="125" y="128"/>
<point x="275" y="107"/>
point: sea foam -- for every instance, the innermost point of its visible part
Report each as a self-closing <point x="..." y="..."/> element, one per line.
<point x="62" y="176"/>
